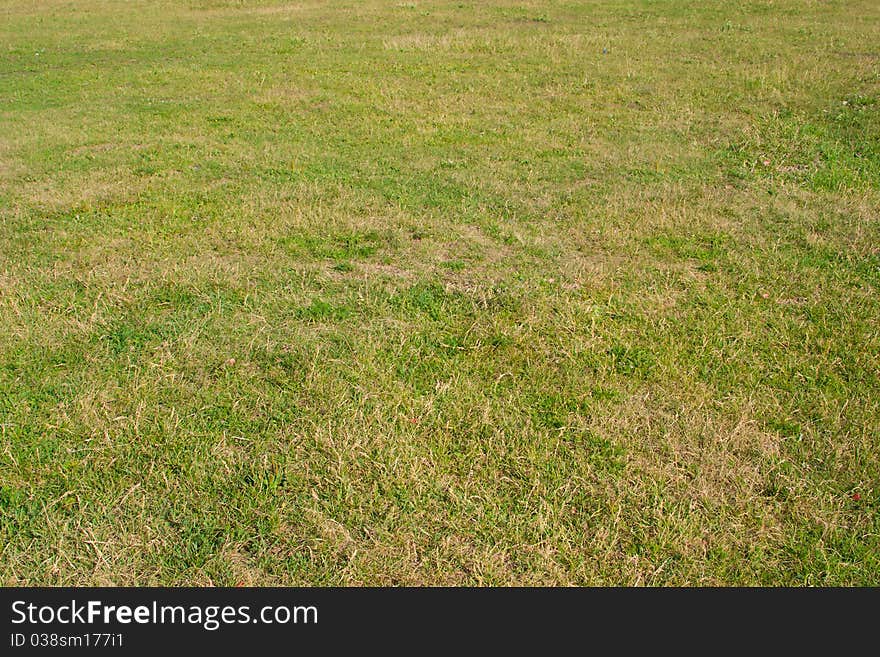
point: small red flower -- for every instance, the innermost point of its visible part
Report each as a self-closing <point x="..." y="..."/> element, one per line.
<point x="856" y="497"/>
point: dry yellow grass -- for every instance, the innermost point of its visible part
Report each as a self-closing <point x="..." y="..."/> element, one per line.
<point x="439" y="293"/>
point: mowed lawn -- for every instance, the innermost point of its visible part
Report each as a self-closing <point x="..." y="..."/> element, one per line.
<point x="439" y="292"/>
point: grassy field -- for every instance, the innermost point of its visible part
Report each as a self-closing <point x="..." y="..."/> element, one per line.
<point x="439" y="292"/>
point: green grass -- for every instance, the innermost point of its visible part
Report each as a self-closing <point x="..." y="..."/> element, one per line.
<point x="433" y="292"/>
